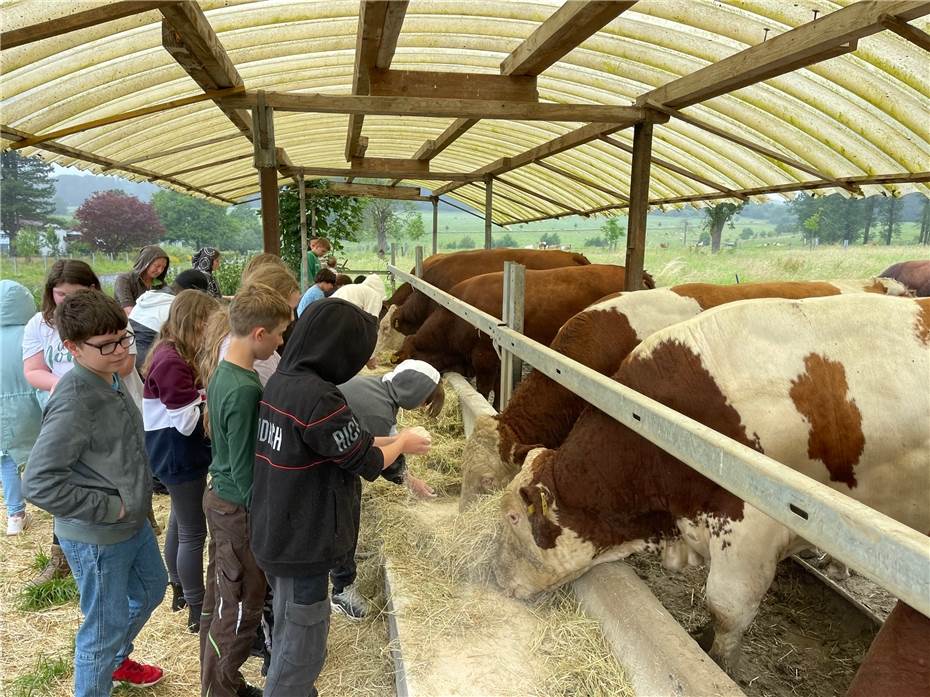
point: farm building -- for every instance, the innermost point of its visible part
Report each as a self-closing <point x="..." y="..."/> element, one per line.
<point x="530" y="110"/>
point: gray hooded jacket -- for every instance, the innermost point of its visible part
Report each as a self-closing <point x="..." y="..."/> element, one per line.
<point x="19" y="409"/>
<point x="129" y="286"/>
<point x="375" y="400"/>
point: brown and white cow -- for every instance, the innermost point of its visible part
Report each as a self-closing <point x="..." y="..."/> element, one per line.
<point x="915" y="275"/>
<point x="446" y="271"/>
<point x="837" y="388"/>
<point x="551" y="297"/>
<point x="542" y="412"/>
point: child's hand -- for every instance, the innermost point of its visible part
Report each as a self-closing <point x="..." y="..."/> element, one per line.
<point x="372" y="363"/>
<point x="420" y="488"/>
<point x="417" y="440"/>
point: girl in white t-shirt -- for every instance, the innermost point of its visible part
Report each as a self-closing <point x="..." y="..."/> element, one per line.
<point x="46" y="360"/>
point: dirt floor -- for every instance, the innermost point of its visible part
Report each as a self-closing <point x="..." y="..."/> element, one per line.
<point x="358" y="663"/>
<point x="806" y="641"/>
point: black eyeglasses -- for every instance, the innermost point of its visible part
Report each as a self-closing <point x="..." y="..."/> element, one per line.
<point x="109" y="347"/>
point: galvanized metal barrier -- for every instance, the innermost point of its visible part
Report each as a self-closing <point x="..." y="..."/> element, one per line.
<point x="875" y="545"/>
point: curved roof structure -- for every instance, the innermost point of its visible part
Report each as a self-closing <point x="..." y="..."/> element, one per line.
<point x="853" y="120"/>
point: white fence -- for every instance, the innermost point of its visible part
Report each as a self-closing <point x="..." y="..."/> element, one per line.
<point x="880" y="548"/>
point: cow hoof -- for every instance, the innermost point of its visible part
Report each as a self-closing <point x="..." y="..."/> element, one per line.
<point x="704" y="636"/>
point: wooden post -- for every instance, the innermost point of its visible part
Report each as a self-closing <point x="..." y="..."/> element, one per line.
<point x="512" y="313"/>
<point x="418" y="266"/>
<point x="488" y="199"/>
<point x="639" y="205"/>
<point x="393" y="263"/>
<point x="435" y="200"/>
<point x="302" y="192"/>
<point x="266" y="163"/>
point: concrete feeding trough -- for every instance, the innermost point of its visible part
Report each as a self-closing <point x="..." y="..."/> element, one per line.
<point x="658" y="655"/>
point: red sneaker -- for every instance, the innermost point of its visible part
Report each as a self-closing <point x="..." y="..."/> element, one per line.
<point x="137" y="674"/>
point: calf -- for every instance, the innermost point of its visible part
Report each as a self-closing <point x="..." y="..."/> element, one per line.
<point x="542" y="412"/>
<point x="551" y="297"/>
<point x="837" y="388"/>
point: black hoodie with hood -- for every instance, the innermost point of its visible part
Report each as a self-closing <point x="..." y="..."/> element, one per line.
<point x="311" y="449"/>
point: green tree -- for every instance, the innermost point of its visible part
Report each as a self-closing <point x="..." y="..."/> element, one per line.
<point x="466" y="243"/>
<point x="27" y="242"/>
<point x="28" y="192"/>
<point x="199" y="223"/>
<point x="338" y="219"/>
<point x="505" y="241"/>
<point x="716" y="217"/>
<point x="613" y="229"/>
<point x="50" y="240"/>
<point x="550" y="239"/>
<point x="892" y="218"/>
<point x="415" y="229"/>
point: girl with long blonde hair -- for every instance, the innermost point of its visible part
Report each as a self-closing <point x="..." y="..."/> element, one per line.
<point x="177" y="446"/>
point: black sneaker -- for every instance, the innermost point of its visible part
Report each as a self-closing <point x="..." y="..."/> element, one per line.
<point x="350" y="603"/>
<point x="177" y="598"/>
<point x="249" y="691"/>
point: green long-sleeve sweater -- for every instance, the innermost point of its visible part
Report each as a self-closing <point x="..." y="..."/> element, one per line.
<point x="232" y="403"/>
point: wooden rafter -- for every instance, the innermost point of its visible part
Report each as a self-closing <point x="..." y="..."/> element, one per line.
<point x="445" y="85"/>
<point x="542" y="197"/>
<point x="570" y="140"/>
<point x="803" y="45"/>
<point x="672" y="167"/>
<point x="755" y="147"/>
<point x="434" y="107"/>
<point x="560" y="33"/>
<point x="379" y="24"/>
<point x="903" y="29"/>
<point x="67" y="151"/>
<point x="383" y="174"/>
<point x="191" y="41"/>
<point x="73" y="22"/>
<point x="872" y="179"/>
<point x="401" y="193"/>
<point x="181" y="148"/>
<point x="581" y="180"/>
<point x="125" y="116"/>
<point x="208" y="165"/>
<point x="497" y="194"/>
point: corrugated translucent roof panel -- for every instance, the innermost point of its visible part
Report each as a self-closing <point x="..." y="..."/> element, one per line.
<point x="864" y="113"/>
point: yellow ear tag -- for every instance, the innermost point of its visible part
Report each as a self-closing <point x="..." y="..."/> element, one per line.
<point x="530" y="509"/>
<point x="544" y="506"/>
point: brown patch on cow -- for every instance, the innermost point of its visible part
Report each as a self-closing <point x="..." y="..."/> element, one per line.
<point x="612" y="486"/>
<point x="835" y="436"/>
<point x="923" y="320"/>
<point x="709" y="295"/>
<point x="541" y="412"/>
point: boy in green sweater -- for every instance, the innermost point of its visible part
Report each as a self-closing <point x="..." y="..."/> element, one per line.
<point x="235" y="587"/>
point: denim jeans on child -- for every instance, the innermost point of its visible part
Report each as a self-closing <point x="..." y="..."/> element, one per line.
<point x="12" y="486"/>
<point x="120" y="585"/>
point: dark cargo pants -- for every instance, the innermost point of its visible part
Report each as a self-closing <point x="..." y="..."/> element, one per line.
<point x="233" y="599"/>
<point x="301" y="624"/>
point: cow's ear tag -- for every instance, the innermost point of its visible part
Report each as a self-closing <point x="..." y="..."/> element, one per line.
<point x="530" y="510"/>
<point x="544" y="505"/>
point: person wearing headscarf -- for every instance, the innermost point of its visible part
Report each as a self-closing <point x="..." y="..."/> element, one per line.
<point x="207" y="259"/>
<point x="148" y="273"/>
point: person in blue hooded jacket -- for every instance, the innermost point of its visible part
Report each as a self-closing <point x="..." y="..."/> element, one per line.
<point x="20" y="415"/>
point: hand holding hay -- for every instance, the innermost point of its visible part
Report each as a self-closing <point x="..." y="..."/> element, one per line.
<point x="417" y="440"/>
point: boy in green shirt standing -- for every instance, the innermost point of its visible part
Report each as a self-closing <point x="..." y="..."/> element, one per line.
<point x="319" y="247"/>
<point x="235" y="588"/>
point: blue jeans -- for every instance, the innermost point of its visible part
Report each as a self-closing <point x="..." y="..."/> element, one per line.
<point x="12" y="486"/>
<point x="120" y="585"/>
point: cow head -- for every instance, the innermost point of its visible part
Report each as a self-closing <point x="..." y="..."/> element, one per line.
<point x="489" y="461"/>
<point x="389" y="339"/>
<point x="536" y="552"/>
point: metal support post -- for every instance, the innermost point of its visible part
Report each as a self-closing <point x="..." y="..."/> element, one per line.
<point x="512" y="313"/>
<point x="393" y="263"/>
<point x="302" y="190"/>
<point x="435" y="200"/>
<point x="639" y="205"/>
<point x="418" y="252"/>
<point x="488" y="200"/>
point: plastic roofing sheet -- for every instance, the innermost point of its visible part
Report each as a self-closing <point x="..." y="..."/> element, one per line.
<point x="864" y="113"/>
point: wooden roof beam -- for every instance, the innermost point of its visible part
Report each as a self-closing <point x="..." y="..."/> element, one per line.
<point x="382" y="174"/>
<point x="379" y="24"/>
<point x="208" y="165"/>
<point x="906" y="31"/>
<point x="831" y="35"/>
<point x="536" y="194"/>
<point x="401" y="193"/>
<point x="439" y="108"/>
<point x="445" y="85"/>
<point x="182" y="148"/>
<point x="565" y="29"/>
<point x="67" y="151"/>
<point x="76" y="21"/>
<point x="672" y="167"/>
<point x="581" y="180"/>
<point x="125" y="116"/>
<point x="755" y="147"/>
<point x="568" y="26"/>
<point x="189" y="38"/>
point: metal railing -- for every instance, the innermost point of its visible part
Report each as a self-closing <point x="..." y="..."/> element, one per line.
<point x="875" y="545"/>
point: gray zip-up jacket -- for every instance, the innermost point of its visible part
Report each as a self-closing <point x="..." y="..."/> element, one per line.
<point x="89" y="460"/>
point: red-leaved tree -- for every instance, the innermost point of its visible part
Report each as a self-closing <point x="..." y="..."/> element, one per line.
<point x="113" y="221"/>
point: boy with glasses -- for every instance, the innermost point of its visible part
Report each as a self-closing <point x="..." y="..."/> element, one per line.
<point x="89" y="469"/>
